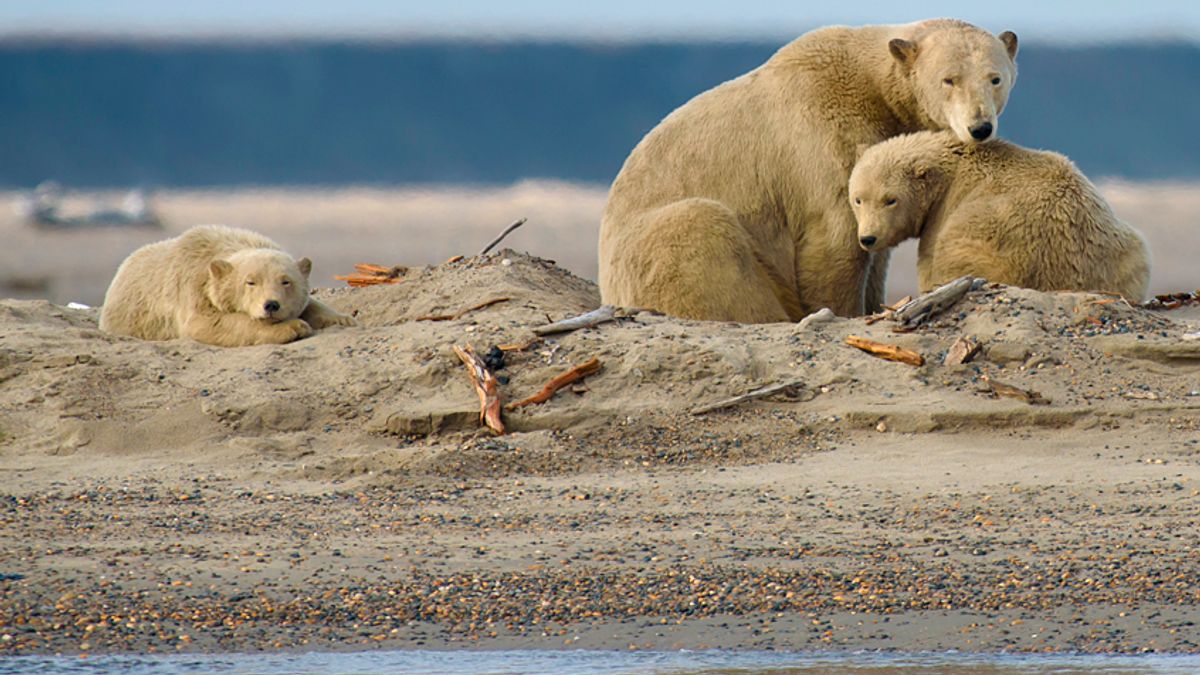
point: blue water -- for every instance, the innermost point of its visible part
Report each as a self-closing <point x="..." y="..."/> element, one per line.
<point x="715" y="662"/>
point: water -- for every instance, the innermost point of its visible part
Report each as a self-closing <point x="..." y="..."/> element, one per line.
<point x="716" y="662"/>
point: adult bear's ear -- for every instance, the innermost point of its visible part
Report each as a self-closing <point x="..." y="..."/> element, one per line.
<point x="219" y="269"/>
<point x="305" y="266"/>
<point x="903" y="50"/>
<point x="1009" y="39"/>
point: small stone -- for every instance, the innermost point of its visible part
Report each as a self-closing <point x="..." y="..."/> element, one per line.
<point x="881" y="427"/>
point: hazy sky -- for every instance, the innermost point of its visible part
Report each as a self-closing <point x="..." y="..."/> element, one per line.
<point x="1088" y="20"/>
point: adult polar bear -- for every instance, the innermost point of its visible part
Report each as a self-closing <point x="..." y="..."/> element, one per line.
<point x="734" y="207"/>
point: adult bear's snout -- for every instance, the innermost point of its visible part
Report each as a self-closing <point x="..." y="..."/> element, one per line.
<point x="271" y="306"/>
<point x="867" y="242"/>
<point x="981" y="132"/>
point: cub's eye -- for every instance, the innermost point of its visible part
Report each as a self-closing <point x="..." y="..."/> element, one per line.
<point x="949" y="81"/>
<point x="287" y="282"/>
<point x="890" y="201"/>
<point x="857" y="201"/>
<point x="996" y="81"/>
<point x="249" y="282"/>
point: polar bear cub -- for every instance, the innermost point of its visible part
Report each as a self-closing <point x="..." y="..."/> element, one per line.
<point x="997" y="210"/>
<point x="217" y="285"/>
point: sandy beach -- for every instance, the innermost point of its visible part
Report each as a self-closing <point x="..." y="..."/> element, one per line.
<point x="338" y="493"/>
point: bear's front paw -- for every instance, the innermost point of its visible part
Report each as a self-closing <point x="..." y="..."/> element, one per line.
<point x="294" y="329"/>
<point x="326" y="320"/>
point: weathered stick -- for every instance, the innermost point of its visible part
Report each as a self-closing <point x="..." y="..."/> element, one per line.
<point x="963" y="350"/>
<point x="1009" y="391"/>
<point x="886" y="351"/>
<point x="500" y="237"/>
<point x="370" y="275"/>
<point x="460" y="313"/>
<point x="924" y="307"/>
<point x="486" y="387"/>
<point x="750" y="395"/>
<point x="888" y="310"/>
<point x="573" y="375"/>
<point x="519" y="346"/>
<point x="595" y="317"/>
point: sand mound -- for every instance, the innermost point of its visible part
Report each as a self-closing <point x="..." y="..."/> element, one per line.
<point x="388" y="401"/>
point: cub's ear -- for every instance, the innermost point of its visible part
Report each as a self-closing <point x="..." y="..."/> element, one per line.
<point x="903" y="50"/>
<point x="924" y="171"/>
<point x="1009" y="39"/>
<point x="219" y="269"/>
<point x="305" y="266"/>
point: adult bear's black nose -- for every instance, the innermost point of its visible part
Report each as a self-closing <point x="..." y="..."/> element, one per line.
<point x="271" y="306"/>
<point x="982" y="131"/>
<point x="867" y="241"/>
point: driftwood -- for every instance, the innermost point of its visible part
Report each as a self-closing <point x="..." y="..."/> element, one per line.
<point x="886" y="351"/>
<point x="888" y="310"/>
<point x="924" y="307"/>
<point x="748" y="396"/>
<point x="486" y="387"/>
<point x="453" y="259"/>
<point x="962" y="351"/>
<point x="573" y="375"/>
<point x="372" y="275"/>
<point x="1173" y="300"/>
<point x="519" y="346"/>
<point x="593" y="318"/>
<point x="1009" y="391"/>
<point x="500" y="237"/>
<point x="460" y="313"/>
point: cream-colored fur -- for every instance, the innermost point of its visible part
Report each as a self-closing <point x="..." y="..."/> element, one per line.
<point x="734" y="207"/>
<point x="1009" y="214"/>
<point x="217" y="285"/>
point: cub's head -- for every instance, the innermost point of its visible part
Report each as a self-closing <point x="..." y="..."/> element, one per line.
<point x="960" y="76"/>
<point x="266" y="284"/>
<point x="893" y="186"/>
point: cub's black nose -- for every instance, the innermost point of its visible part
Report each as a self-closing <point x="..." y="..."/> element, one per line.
<point x="867" y="241"/>
<point x="271" y="306"/>
<point x="982" y="131"/>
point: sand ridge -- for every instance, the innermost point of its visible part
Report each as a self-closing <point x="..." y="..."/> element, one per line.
<point x="343" y="480"/>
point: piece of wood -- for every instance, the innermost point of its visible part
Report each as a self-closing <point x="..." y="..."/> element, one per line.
<point x="962" y="351"/>
<point x="500" y="237"/>
<point x="573" y="375"/>
<point x="486" y="386"/>
<point x="453" y="259"/>
<point x="370" y="274"/>
<point x="595" y="317"/>
<point x="519" y="346"/>
<point x="748" y="396"/>
<point x="1009" y="391"/>
<point x="924" y="307"/>
<point x="888" y="310"/>
<point x="886" y="351"/>
<point x="459" y="314"/>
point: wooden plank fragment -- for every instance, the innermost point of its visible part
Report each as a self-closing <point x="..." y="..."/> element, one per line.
<point x="595" y="317"/>
<point x="459" y="314"/>
<point x="486" y="387"/>
<point x="886" y="351"/>
<point x="573" y="375"/>
<point x="925" y="307"/>
<point x="748" y="396"/>
<point x="1009" y="391"/>
<point x="962" y="351"/>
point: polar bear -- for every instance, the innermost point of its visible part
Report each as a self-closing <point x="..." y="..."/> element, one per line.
<point x="217" y="285"/>
<point x="734" y="207"/>
<point x="1000" y="211"/>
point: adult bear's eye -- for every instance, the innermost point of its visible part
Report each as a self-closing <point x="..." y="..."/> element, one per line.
<point x="891" y="201"/>
<point x="949" y="81"/>
<point x="249" y="282"/>
<point x="287" y="282"/>
<point x="996" y="81"/>
<point x="858" y="201"/>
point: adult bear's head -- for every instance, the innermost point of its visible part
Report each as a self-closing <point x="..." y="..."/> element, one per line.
<point x="960" y="76"/>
